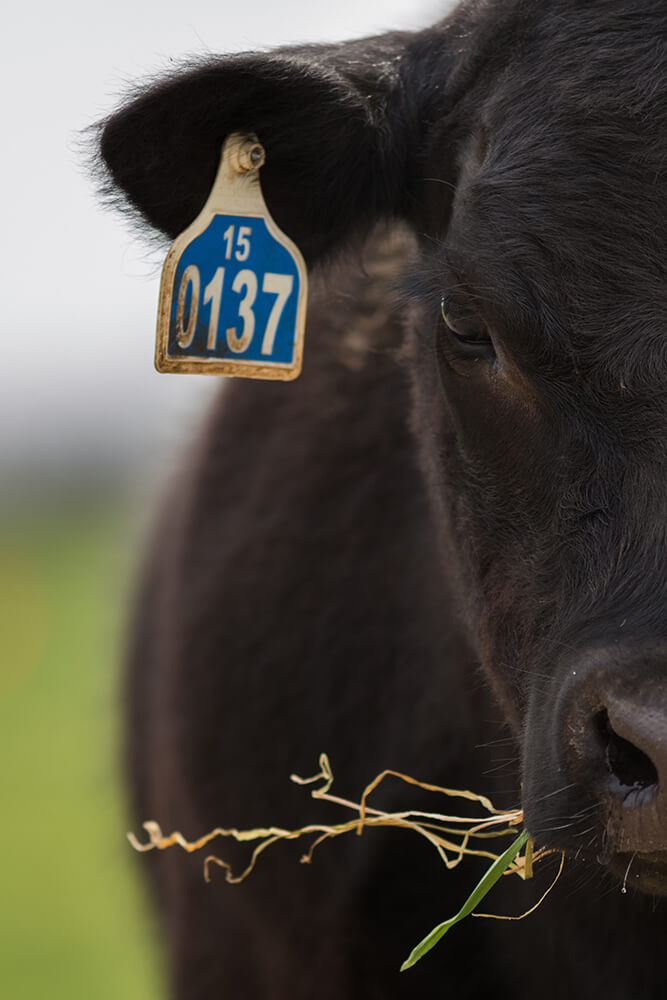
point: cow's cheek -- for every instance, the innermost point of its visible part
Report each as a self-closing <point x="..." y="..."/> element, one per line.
<point x="500" y="456"/>
<point x="485" y="448"/>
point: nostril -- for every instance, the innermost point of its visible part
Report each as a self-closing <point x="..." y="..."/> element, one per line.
<point x="633" y="775"/>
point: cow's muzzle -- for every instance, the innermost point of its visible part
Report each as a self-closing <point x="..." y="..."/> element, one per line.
<point x="608" y="734"/>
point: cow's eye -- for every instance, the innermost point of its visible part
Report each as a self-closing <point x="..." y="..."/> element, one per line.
<point x="466" y="330"/>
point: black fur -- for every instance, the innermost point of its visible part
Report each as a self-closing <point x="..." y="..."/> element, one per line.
<point x="343" y="552"/>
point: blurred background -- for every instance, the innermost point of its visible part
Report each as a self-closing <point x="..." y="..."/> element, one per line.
<point x="88" y="434"/>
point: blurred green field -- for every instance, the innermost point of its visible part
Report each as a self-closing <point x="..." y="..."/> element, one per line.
<point x="73" y="923"/>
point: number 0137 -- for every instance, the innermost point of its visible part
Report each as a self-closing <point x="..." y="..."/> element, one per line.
<point x="245" y="286"/>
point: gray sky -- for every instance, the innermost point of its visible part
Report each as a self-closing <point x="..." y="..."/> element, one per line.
<point x="74" y="279"/>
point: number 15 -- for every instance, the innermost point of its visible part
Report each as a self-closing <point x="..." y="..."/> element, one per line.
<point x="242" y="242"/>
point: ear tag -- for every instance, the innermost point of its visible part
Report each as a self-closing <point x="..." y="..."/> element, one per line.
<point x="234" y="287"/>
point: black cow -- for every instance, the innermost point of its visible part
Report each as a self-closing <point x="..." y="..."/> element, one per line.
<point x="467" y="482"/>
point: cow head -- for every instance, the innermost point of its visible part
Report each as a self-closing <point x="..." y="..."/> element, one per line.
<point x="525" y="144"/>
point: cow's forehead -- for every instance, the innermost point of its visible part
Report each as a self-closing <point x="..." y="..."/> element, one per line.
<point x="578" y="120"/>
<point x="580" y="190"/>
<point x="563" y="185"/>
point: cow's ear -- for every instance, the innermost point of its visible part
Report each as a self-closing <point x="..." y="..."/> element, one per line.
<point x="340" y="125"/>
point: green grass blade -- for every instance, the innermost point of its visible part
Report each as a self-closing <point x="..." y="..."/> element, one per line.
<point x="486" y="883"/>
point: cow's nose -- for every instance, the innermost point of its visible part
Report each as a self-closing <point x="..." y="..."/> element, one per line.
<point x="631" y="745"/>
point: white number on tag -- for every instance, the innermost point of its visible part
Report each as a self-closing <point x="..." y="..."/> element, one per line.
<point x="190" y="277"/>
<point x="244" y="279"/>
<point x="242" y="242"/>
<point x="244" y="284"/>
<point x="213" y="294"/>
<point x="279" y="285"/>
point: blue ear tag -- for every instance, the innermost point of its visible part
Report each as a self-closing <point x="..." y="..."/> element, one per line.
<point x="234" y="287"/>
